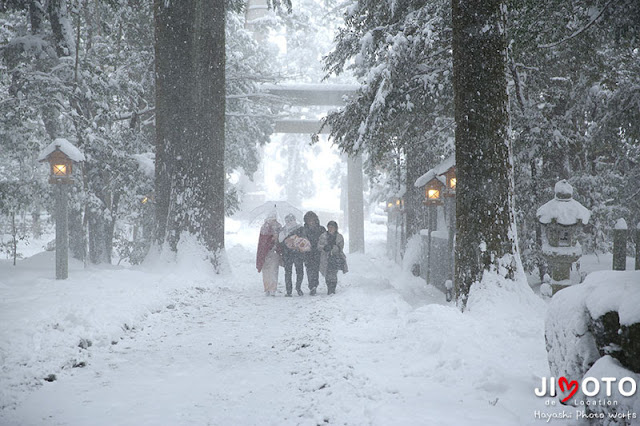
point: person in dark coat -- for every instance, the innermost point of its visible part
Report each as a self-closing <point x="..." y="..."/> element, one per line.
<point x="332" y="258"/>
<point x="312" y="231"/>
<point x="291" y="256"/>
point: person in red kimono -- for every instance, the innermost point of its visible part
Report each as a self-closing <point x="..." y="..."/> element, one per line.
<point x="268" y="257"/>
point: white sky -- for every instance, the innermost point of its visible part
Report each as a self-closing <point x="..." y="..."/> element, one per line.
<point x="327" y="196"/>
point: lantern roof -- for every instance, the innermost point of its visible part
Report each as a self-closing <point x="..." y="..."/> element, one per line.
<point x="565" y="211"/>
<point x="447" y="164"/>
<point x="66" y="147"/>
<point x="440" y="178"/>
<point x="438" y="170"/>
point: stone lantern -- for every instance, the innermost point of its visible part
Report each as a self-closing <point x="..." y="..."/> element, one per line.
<point x="562" y="218"/>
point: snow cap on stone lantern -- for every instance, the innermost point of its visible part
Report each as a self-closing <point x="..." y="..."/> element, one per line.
<point x="563" y="209"/>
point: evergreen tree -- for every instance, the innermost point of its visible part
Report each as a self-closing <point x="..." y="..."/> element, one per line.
<point x="485" y="222"/>
<point x="400" y="53"/>
<point x="572" y="98"/>
<point x="190" y="118"/>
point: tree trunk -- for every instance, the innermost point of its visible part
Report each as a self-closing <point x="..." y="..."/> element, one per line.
<point x="485" y="220"/>
<point x="61" y="27"/>
<point x="36" y="225"/>
<point x="36" y="16"/>
<point x="76" y="234"/>
<point x="417" y="165"/>
<point x="14" y="241"/>
<point x="98" y="233"/>
<point x="50" y="114"/>
<point x="190" y="114"/>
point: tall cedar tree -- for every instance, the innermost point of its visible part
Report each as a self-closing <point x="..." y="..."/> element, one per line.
<point x="485" y="221"/>
<point x="190" y="116"/>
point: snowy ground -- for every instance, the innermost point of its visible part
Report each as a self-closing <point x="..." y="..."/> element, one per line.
<point x="169" y="344"/>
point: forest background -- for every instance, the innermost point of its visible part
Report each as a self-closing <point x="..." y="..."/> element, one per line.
<point x="84" y="70"/>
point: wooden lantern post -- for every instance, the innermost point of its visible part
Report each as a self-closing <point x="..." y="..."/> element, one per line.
<point x="434" y="190"/>
<point x="61" y="156"/>
<point x="450" y="205"/>
<point x="434" y="196"/>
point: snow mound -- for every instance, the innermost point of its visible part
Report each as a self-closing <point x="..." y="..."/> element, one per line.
<point x="571" y="345"/>
<point x="617" y="291"/>
<point x="498" y="297"/>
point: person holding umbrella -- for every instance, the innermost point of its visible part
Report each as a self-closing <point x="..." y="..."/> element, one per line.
<point x="312" y="231"/>
<point x="268" y="256"/>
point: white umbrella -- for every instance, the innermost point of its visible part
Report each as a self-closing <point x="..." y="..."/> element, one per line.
<point x="280" y="208"/>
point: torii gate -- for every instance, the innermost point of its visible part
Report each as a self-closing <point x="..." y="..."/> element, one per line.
<point x="318" y="95"/>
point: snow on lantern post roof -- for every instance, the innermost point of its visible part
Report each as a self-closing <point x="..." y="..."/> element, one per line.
<point x="445" y="183"/>
<point x="61" y="155"/>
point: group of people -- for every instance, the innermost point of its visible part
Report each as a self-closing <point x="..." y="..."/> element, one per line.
<point x="311" y="246"/>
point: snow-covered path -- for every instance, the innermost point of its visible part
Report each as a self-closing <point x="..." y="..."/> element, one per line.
<point x="385" y="350"/>
<point x="214" y="357"/>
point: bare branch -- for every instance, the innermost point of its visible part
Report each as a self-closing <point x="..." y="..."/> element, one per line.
<point x="580" y="31"/>
<point x="138" y="113"/>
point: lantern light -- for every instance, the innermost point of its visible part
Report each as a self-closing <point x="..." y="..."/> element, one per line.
<point x="61" y="167"/>
<point x="433" y="191"/>
<point x="60" y="170"/>
<point x="451" y="181"/>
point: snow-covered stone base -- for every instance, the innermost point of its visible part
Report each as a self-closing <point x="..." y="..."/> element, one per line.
<point x="590" y="331"/>
<point x="612" y="408"/>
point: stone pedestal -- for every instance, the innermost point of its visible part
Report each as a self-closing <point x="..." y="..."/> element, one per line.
<point x="561" y="266"/>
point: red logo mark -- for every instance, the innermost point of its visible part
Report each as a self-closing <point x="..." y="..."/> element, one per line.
<point x="570" y="385"/>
